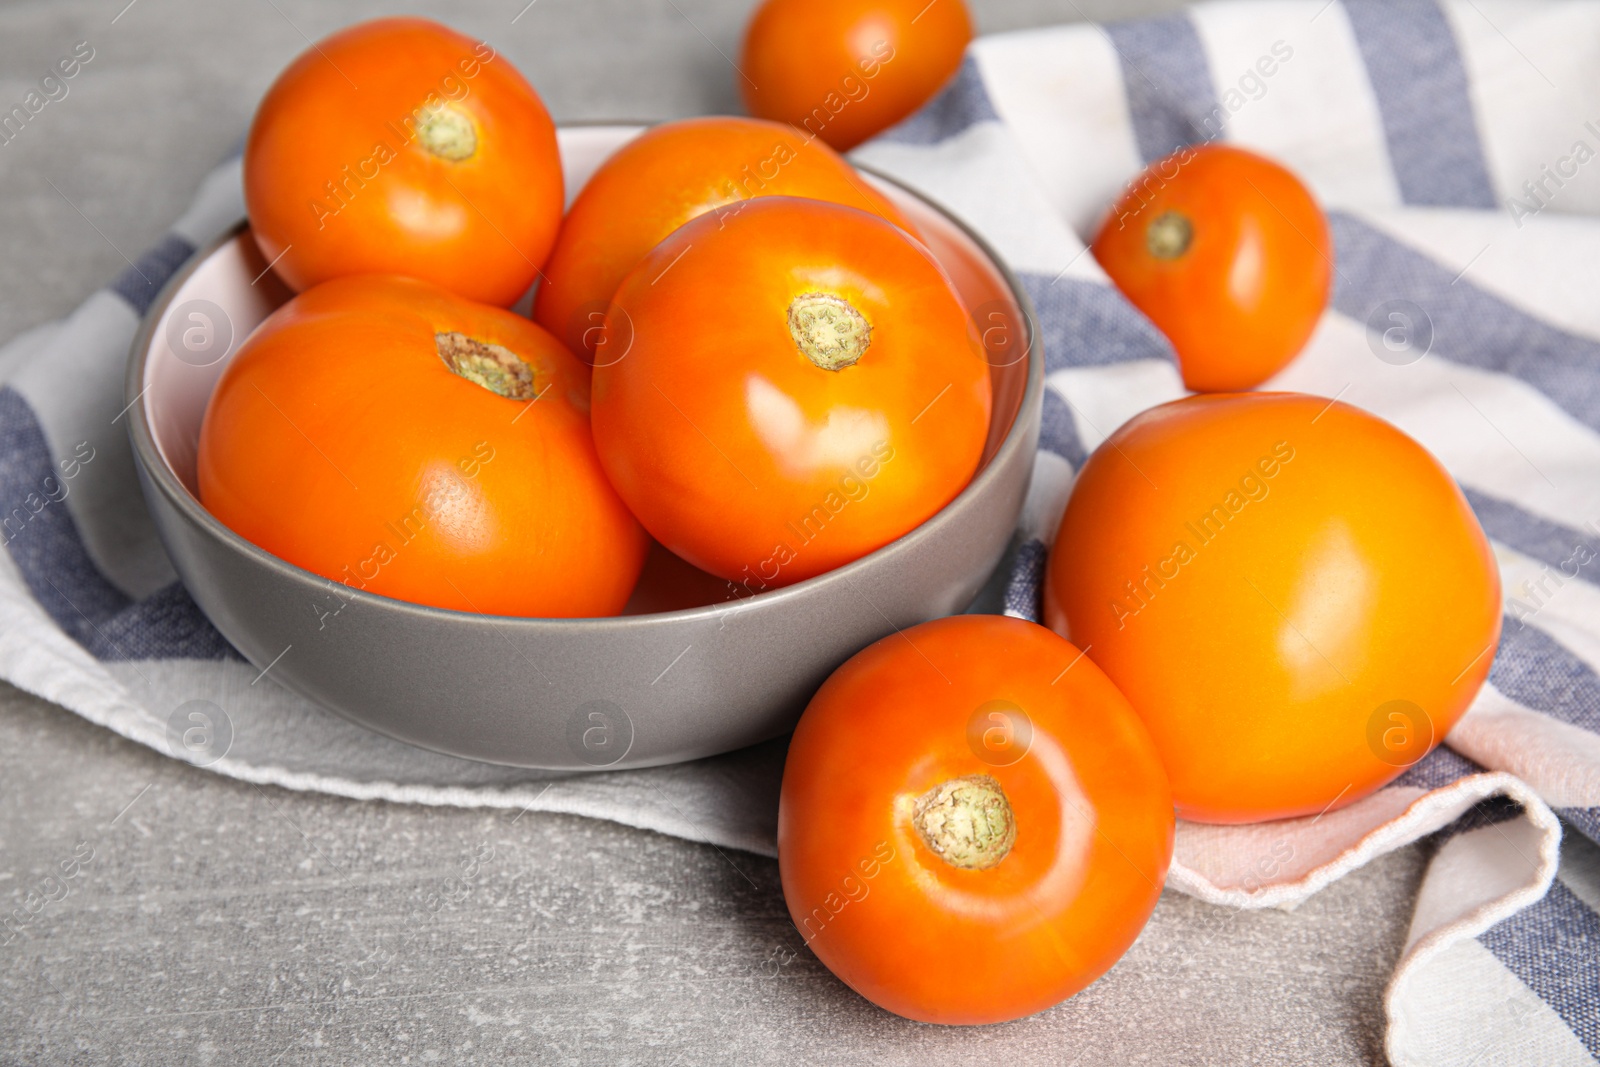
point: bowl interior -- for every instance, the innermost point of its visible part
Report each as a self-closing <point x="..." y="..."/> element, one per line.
<point x="229" y="291"/>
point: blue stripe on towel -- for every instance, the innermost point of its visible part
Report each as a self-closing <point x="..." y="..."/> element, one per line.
<point x="1554" y="948"/>
<point x="142" y="281"/>
<point x="1171" y="98"/>
<point x="1086" y="324"/>
<point x="43" y="540"/>
<point x="1421" y="85"/>
<point x="1025" y="591"/>
<point x="1470" y="325"/>
<point x="1537" y="671"/>
<point x="1058" y="430"/>
<point x="1586" y="820"/>
<point x="960" y="105"/>
<point x="1438" y="769"/>
<point x="1537" y="537"/>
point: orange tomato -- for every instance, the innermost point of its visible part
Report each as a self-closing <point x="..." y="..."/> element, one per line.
<point x="1292" y="593"/>
<point x="844" y="70"/>
<point x="399" y="146"/>
<point x="396" y="438"/>
<point x="1229" y="255"/>
<point x="973" y="824"/>
<point x="660" y="180"/>
<point x="803" y="386"/>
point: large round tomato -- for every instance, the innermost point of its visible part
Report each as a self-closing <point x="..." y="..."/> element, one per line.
<point x="396" y="438"/>
<point x="660" y="180"/>
<point x="401" y="147"/>
<point x="974" y="825"/>
<point x="1228" y="254"/>
<point x="1292" y="593"/>
<point x="844" y="70"/>
<point x="803" y="386"/>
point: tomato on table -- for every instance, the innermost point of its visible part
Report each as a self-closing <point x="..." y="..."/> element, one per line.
<point x="399" y="146"/>
<point x="661" y="179"/>
<point x="973" y="824"/>
<point x="845" y="70"/>
<point x="396" y="438"/>
<point x="1228" y="254"/>
<point x="1293" y="594"/>
<point x="795" y="385"/>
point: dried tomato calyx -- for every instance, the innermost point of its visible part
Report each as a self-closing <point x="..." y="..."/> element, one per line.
<point x="967" y="822"/>
<point x="494" y="367"/>
<point x="1169" y="235"/>
<point x="828" y="330"/>
<point x="448" y="132"/>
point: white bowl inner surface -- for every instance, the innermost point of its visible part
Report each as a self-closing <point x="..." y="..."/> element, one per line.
<point x="236" y="279"/>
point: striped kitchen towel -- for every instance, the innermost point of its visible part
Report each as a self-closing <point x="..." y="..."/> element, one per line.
<point x="1452" y="145"/>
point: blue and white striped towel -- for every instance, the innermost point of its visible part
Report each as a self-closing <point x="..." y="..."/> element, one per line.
<point x="1454" y="148"/>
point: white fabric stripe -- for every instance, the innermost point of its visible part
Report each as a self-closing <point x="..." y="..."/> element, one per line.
<point x="218" y="204"/>
<point x="1569" y="611"/>
<point x="980" y="176"/>
<point x="1047" y="498"/>
<point x="1214" y="863"/>
<point x="74" y="385"/>
<point x="1534" y="74"/>
<point x="1464" y="416"/>
<point x="1103" y="398"/>
<point x="1338" y="150"/>
<point x="1518" y="264"/>
<point x="1483" y="876"/>
<point x="1060" y="91"/>
<point x="1464" y="991"/>
<point x="1559" y="760"/>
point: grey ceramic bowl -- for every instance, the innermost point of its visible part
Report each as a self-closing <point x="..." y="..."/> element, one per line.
<point x="650" y="687"/>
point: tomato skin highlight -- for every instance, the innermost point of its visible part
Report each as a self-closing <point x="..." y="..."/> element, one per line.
<point x="1093" y="822"/>
<point x="339" y="178"/>
<point x="740" y="454"/>
<point x="846" y="70"/>
<point x="1302" y="566"/>
<point x="661" y="179"/>
<point x="1246" y="292"/>
<point x="339" y="440"/>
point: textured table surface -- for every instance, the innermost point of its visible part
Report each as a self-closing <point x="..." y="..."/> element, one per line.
<point x="218" y="922"/>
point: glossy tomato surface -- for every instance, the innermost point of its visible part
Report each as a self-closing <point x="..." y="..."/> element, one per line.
<point x="399" y="146"/>
<point x="1292" y="593"/>
<point x="974" y="824"/>
<point x="395" y="438"/>
<point x="660" y="180"/>
<point x="794" y="385"/>
<point x="844" y="70"/>
<point x="1228" y="254"/>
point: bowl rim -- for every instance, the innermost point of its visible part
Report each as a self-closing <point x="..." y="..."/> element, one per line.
<point x="161" y="474"/>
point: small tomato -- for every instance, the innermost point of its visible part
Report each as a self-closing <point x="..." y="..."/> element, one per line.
<point x="1229" y="255"/>
<point x="660" y="180"/>
<point x="396" y="438"/>
<point x="844" y="70"/>
<point x="973" y="823"/>
<point x="399" y="146"/>
<point x="795" y="385"/>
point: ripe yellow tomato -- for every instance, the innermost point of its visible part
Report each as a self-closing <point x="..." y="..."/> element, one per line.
<point x="973" y="824"/>
<point x="399" y="439"/>
<point x="660" y="180"/>
<point x="1293" y="594"/>
<point x="398" y="146"/>
<point x="1228" y="254"/>
<point x="795" y="385"/>
<point x="844" y="70"/>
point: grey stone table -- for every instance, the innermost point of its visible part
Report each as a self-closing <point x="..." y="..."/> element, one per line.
<point x="218" y="922"/>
